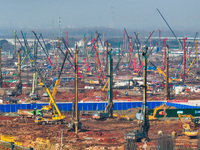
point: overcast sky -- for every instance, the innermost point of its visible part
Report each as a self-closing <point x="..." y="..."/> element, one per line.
<point x="135" y="14"/>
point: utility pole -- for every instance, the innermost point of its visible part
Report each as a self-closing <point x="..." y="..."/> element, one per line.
<point x="76" y="120"/>
<point x="167" y="75"/>
<point x="164" y="52"/>
<point x="184" y="40"/>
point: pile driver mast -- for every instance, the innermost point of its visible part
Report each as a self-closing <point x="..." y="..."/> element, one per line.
<point x="109" y="108"/>
<point x="184" y="58"/>
<point x="138" y="135"/>
<point x="75" y="124"/>
<point x="19" y="84"/>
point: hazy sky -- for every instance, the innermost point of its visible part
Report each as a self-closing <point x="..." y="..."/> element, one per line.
<point x="135" y="14"/>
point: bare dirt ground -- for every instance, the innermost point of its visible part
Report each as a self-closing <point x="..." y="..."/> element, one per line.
<point x="95" y="135"/>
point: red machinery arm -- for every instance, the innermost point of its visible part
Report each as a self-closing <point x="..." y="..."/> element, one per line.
<point x="139" y="67"/>
<point x="96" y="55"/>
<point x="88" y="68"/>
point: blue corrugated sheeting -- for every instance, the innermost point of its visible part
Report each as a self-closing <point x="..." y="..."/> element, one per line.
<point x="91" y="106"/>
<point x="181" y="106"/>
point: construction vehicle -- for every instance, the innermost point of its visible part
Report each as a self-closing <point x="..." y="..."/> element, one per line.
<point x="56" y="117"/>
<point x="98" y="60"/>
<point x="75" y="124"/>
<point x="186" y="128"/>
<point x="152" y="116"/>
<point x="33" y="95"/>
<point x="18" y="87"/>
<point x="89" y="73"/>
<point x="50" y="107"/>
<point x="127" y="117"/>
<point x="44" y="49"/>
<point x="194" y="121"/>
<point x="108" y="112"/>
<point x="29" y="113"/>
<point x="161" y="72"/>
<point x="195" y="59"/>
<point x="142" y="134"/>
<point x="188" y="132"/>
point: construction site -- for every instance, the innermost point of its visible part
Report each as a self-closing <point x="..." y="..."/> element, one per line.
<point x="66" y="93"/>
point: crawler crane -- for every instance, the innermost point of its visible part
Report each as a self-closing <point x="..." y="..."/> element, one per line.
<point x="57" y="118"/>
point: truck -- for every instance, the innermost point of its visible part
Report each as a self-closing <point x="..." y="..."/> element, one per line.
<point x="29" y="113"/>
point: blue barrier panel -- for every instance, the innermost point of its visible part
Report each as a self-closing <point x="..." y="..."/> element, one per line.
<point x="39" y="106"/>
<point x="94" y="106"/>
<point x="18" y="106"/>
<point x="115" y="106"/>
<point x="60" y="106"/>
<point x="2" y="108"/>
<point x="69" y="106"/>
<point x="65" y="107"/>
<point x="152" y="105"/>
<point x="91" y="106"/>
<point x="101" y="106"/>
<point x="80" y="106"/>
<point x="133" y="105"/>
<point x="138" y="104"/>
<point x="24" y="106"/>
<point x="33" y="106"/>
<point x="8" y="108"/>
<point x="29" y="106"/>
<point x="129" y="105"/>
<point x="13" y="108"/>
<point x="119" y="106"/>
<point x="181" y="106"/>
<point x="85" y="106"/>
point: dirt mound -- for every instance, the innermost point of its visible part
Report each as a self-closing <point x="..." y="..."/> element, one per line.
<point x="131" y="111"/>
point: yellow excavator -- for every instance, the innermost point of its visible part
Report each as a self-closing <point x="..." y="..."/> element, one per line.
<point x="194" y="121"/>
<point x="186" y="127"/>
<point x="152" y="117"/>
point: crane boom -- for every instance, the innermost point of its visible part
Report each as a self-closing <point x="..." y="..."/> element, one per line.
<point x="96" y="55"/>
<point x="69" y="60"/>
<point x="42" y="48"/>
<point x="49" y="107"/>
<point x="161" y="72"/>
<point x="170" y="28"/>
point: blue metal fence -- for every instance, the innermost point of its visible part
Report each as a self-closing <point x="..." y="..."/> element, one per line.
<point x="90" y="106"/>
